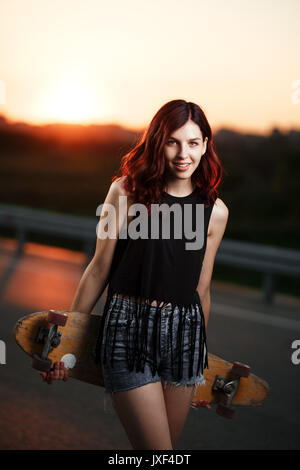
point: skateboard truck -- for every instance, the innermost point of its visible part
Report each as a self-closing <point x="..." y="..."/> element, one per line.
<point x="50" y="337"/>
<point x="229" y="386"/>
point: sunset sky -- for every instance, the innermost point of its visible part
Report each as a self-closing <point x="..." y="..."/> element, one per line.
<point x="120" y="60"/>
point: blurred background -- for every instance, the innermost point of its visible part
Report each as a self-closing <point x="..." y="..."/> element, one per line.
<point x="79" y="82"/>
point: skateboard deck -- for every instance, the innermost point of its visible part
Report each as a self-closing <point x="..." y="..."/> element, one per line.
<point x="70" y="337"/>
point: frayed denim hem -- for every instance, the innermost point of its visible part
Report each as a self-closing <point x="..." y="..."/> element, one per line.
<point x="196" y="382"/>
<point x="107" y="398"/>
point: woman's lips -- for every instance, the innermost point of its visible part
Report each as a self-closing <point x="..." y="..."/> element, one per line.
<point x="183" y="167"/>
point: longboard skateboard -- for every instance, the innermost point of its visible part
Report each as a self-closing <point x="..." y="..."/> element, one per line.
<point x="70" y="337"/>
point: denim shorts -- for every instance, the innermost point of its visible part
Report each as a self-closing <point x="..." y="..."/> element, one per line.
<point x="118" y="377"/>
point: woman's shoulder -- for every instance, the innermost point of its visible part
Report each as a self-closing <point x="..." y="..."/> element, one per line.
<point x="220" y="208"/>
<point x="118" y="186"/>
<point x="219" y="217"/>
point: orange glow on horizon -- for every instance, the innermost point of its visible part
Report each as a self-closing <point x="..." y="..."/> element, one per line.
<point x="103" y="63"/>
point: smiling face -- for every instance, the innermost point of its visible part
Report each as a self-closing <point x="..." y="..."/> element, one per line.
<point x="183" y="151"/>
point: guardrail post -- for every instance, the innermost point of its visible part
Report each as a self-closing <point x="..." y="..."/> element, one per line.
<point x="21" y="237"/>
<point x="89" y="248"/>
<point x="268" y="287"/>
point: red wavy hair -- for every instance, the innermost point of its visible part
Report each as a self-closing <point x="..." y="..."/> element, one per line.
<point x="144" y="165"/>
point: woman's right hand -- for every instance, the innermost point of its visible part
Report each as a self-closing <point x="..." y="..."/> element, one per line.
<point x="58" y="372"/>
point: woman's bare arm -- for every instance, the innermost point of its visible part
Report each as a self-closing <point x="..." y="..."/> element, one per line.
<point x="216" y="229"/>
<point x="94" y="279"/>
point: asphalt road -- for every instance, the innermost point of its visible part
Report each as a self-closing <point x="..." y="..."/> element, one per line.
<point x="34" y="415"/>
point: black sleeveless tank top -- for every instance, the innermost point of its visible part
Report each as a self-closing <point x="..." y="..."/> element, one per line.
<point x="163" y="269"/>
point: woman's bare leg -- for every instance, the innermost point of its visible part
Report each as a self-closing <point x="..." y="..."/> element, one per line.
<point x="142" y="412"/>
<point x="178" y="401"/>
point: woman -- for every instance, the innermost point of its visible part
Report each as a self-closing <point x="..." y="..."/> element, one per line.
<point x="152" y="341"/>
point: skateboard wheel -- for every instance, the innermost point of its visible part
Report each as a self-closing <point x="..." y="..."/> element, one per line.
<point x="57" y="318"/>
<point x="242" y="370"/>
<point x="43" y="365"/>
<point x="225" y="411"/>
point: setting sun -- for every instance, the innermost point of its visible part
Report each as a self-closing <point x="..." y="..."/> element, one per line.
<point x="71" y="101"/>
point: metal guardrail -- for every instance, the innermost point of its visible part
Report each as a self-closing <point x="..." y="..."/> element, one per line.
<point x="269" y="260"/>
<point x="26" y="220"/>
